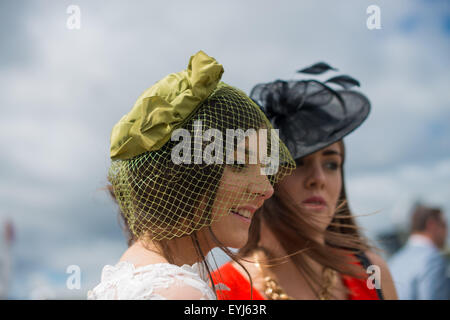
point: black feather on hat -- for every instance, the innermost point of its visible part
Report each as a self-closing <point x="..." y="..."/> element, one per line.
<point x="310" y="114"/>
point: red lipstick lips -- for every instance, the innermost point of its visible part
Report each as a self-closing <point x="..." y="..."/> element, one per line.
<point x="315" y="200"/>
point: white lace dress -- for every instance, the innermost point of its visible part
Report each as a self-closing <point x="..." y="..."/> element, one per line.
<point x="161" y="281"/>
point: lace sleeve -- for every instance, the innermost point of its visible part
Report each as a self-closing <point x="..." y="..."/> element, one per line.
<point x="158" y="281"/>
<point x="185" y="288"/>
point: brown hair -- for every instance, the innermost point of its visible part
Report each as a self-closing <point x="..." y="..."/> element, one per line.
<point x="296" y="235"/>
<point x="144" y="218"/>
<point x="422" y="215"/>
<point x="165" y="248"/>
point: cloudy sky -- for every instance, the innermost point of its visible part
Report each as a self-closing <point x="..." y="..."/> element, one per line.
<point x="62" y="90"/>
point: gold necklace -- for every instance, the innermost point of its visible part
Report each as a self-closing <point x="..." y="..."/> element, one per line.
<point x="329" y="280"/>
<point x="273" y="291"/>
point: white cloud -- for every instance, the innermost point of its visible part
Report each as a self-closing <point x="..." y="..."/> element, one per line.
<point x="393" y="192"/>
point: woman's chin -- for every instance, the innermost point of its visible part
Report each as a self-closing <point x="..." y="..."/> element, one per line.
<point x="238" y="241"/>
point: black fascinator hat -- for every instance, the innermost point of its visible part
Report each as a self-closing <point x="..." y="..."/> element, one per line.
<point x="311" y="114"/>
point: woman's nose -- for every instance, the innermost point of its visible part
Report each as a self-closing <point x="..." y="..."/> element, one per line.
<point x="261" y="187"/>
<point x="315" y="177"/>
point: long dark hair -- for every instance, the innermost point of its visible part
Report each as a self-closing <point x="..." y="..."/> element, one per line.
<point x="296" y="234"/>
<point x="164" y="245"/>
<point x="148" y="178"/>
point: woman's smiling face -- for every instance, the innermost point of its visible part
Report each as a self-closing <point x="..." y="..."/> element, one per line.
<point x="242" y="190"/>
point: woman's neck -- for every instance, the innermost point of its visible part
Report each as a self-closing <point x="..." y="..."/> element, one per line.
<point x="273" y="250"/>
<point x="178" y="251"/>
<point x="270" y="242"/>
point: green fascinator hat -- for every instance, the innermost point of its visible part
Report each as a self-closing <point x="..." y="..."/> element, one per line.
<point x="163" y="195"/>
<point x="164" y="107"/>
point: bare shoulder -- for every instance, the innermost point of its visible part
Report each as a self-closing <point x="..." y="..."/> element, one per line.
<point x="139" y="255"/>
<point x="387" y="283"/>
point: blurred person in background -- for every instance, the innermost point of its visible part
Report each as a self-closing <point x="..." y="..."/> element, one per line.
<point x="7" y="236"/>
<point x="305" y="243"/>
<point x="419" y="268"/>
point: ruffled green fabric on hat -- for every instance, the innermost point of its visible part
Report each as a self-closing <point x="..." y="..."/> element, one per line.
<point x="164" y="107"/>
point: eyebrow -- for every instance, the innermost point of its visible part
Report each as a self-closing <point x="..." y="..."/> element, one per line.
<point x="249" y="155"/>
<point x="331" y="152"/>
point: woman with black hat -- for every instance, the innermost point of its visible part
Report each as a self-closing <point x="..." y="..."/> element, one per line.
<point x="305" y="243"/>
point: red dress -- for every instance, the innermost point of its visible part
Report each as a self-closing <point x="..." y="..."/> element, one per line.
<point x="240" y="286"/>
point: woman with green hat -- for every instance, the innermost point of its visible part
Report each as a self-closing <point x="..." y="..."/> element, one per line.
<point x="190" y="167"/>
<point x="304" y="242"/>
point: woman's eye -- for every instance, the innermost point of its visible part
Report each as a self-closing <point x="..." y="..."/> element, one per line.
<point x="332" y="165"/>
<point x="238" y="166"/>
